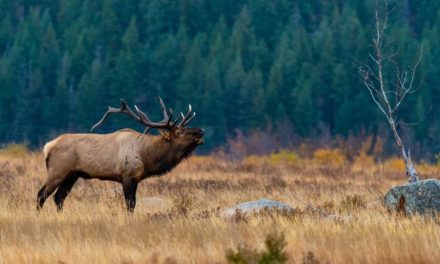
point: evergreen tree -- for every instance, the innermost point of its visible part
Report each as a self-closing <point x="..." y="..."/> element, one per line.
<point x="242" y="64"/>
<point x="233" y="81"/>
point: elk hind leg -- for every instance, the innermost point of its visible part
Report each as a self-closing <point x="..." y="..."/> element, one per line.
<point x="46" y="191"/>
<point x="41" y="197"/>
<point x="63" y="191"/>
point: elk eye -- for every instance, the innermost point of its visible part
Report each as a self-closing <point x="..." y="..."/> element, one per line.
<point x="179" y="132"/>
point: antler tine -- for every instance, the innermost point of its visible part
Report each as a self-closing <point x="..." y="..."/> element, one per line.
<point x="127" y="110"/>
<point x="185" y="117"/>
<point x="168" y="121"/>
<point x="166" y="117"/>
<point x="142" y="114"/>
<point x="189" y="119"/>
<point x="123" y="109"/>
<point x="175" y="121"/>
<point x="144" y="117"/>
<point x="165" y="123"/>
<point x="170" y="117"/>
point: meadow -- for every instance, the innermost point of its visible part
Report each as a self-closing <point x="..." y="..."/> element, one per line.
<point x="339" y="214"/>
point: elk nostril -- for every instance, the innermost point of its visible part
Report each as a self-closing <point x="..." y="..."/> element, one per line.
<point x="201" y="132"/>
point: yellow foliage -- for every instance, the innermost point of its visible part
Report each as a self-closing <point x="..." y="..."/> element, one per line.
<point x="14" y="150"/>
<point x="426" y="168"/>
<point x="333" y="158"/>
<point x="366" y="145"/>
<point x="378" y="147"/>
<point x="254" y="160"/>
<point x="395" y="164"/>
<point x="363" y="161"/>
<point x="284" y="158"/>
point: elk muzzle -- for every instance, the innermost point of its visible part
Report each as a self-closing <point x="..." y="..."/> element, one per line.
<point x="198" y="135"/>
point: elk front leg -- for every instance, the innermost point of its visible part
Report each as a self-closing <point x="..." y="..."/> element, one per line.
<point x="129" y="186"/>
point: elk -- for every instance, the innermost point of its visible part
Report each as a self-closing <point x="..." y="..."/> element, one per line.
<point x="124" y="156"/>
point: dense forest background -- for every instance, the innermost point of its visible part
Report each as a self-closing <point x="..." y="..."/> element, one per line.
<point x="285" y="70"/>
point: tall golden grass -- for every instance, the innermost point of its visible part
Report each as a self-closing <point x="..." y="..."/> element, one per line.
<point x="184" y="225"/>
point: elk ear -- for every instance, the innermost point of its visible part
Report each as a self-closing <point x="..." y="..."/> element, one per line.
<point x="165" y="133"/>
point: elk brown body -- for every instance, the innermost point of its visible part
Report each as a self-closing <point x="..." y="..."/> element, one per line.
<point x="124" y="156"/>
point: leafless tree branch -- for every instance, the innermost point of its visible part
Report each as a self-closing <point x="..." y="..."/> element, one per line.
<point x="379" y="93"/>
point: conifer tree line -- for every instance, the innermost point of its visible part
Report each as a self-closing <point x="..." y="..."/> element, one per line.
<point x="243" y="65"/>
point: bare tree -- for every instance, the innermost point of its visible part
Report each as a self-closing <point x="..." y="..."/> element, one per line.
<point x="389" y="99"/>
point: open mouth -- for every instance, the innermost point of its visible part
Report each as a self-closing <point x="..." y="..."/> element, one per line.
<point x="200" y="141"/>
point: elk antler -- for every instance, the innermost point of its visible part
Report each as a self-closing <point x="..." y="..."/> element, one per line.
<point x="188" y="117"/>
<point x="143" y="119"/>
<point x="124" y="109"/>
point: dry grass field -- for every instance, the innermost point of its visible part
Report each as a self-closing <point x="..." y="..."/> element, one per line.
<point x="182" y="224"/>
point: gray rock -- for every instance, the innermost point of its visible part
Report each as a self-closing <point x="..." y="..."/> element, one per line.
<point x="249" y="208"/>
<point x="419" y="197"/>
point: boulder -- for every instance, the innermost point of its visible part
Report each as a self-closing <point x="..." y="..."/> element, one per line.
<point x="421" y="197"/>
<point x="253" y="207"/>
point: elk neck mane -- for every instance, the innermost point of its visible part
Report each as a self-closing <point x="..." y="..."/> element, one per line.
<point x="162" y="154"/>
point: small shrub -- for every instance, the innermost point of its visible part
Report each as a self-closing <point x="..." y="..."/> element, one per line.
<point x="275" y="182"/>
<point x="183" y="204"/>
<point x="328" y="205"/>
<point x="426" y="168"/>
<point x="15" y="150"/>
<point x="243" y="255"/>
<point x="395" y="165"/>
<point x="284" y="157"/>
<point x="273" y="253"/>
<point x="310" y="258"/>
<point x="332" y="158"/>
<point x="353" y="202"/>
<point x="239" y="216"/>
<point x="253" y="162"/>
<point x="363" y="161"/>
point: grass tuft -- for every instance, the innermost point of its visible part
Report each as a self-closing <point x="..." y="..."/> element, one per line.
<point x="273" y="253"/>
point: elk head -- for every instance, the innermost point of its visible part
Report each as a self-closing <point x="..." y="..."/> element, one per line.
<point x="175" y="132"/>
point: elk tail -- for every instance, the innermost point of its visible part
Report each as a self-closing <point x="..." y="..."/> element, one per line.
<point x="46" y="151"/>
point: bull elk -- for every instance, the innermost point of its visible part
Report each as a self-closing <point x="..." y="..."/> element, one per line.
<point x="124" y="156"/>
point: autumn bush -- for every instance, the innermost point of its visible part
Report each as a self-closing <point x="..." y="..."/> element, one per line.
<point x="14" y="150"/>
<point x="394" y="165"/>
<point x="330" y="158"/>
<point x="255" y="163"/>
<point x="284" y="158"/>
<point x="273" y="253"/>
<point x="363" y="162"/>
